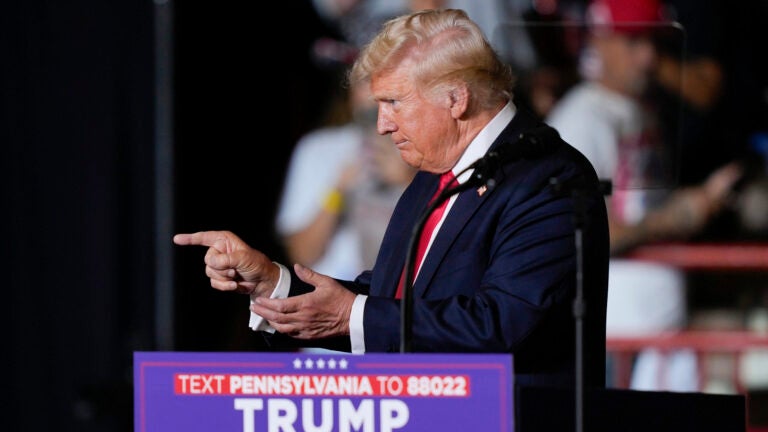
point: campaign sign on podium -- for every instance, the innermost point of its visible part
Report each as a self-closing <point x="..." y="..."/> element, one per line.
<point x="271" y="392"/>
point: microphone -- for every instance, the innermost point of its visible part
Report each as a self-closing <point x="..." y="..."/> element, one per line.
<point x="532" y="144"/>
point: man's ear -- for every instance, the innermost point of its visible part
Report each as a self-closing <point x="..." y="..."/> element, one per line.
<point x="459" y="100"/>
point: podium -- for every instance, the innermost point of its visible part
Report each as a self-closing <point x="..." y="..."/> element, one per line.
<point x="252" y="392"/>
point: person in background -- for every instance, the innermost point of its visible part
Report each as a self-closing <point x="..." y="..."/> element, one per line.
<point x="499" y="270"/>
<point x="608" y="118"/>
<point x="709" y="80"/>
<point x="332" y="215"/>
<point x="340" y="189"/>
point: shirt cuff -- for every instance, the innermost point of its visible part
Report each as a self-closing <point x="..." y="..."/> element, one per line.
<point x="356" y="333"/>
<point x="283" y="287"/>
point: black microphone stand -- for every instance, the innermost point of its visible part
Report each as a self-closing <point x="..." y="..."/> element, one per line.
<point x="577" y="190"/>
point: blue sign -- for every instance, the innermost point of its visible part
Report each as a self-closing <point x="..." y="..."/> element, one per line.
<point x="286" y="392"/>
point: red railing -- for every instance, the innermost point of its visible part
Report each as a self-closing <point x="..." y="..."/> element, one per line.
<point x="707" y="256"/>
<point x="625" y="348"/>
<point x="720" y="257"/>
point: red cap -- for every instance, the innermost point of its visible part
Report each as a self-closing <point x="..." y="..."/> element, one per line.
<point x="626" y="16"/>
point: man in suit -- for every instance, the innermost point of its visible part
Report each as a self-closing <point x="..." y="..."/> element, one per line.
<point x="501" y="270"/>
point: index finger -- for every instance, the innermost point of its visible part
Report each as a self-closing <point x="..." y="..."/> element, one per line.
<point x="200" y="238"/>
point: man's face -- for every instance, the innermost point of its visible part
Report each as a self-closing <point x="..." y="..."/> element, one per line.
<point x="627" y="61"/>
<point x="422" y="128"/>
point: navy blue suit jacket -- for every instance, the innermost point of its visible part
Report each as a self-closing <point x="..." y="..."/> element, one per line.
<point x="500" y="276"/>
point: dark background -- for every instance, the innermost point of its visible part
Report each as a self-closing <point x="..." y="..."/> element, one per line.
<point x="80" y="228"/>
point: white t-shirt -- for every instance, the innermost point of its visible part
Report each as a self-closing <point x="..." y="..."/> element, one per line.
<point x="314" y="169"/>
<point x="618" y="135"/>
<point x="316" y="165"/>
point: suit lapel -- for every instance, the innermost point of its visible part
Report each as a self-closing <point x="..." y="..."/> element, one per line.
<point x="467" y="203"/>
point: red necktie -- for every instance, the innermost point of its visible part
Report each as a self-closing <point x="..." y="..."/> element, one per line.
<point x="446" y="180"/>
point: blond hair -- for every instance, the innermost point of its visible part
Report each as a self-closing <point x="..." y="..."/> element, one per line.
<point x="444" y="47"/>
